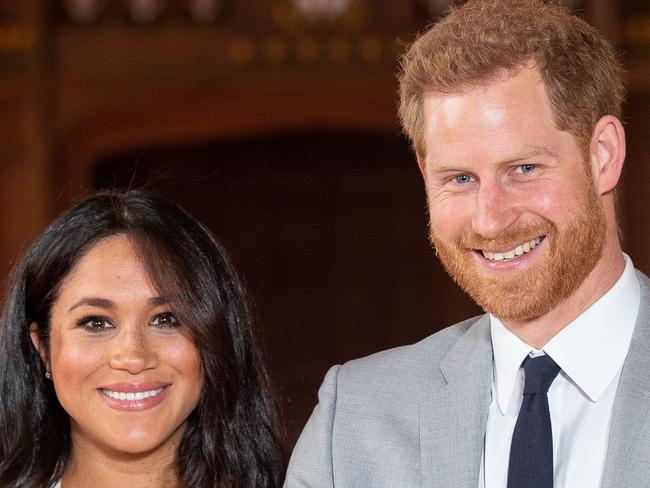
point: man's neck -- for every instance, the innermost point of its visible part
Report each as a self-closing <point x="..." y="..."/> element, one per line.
<point x="537" y="332"/>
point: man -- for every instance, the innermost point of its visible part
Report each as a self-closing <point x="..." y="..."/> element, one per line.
<point x="513" y="108"/>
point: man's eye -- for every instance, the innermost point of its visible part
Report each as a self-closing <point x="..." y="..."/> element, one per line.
<point x="164" y="320"/>
<point x="95" y="323"/>
<point x="526" y="168"/>
<point x="462" y="179"/>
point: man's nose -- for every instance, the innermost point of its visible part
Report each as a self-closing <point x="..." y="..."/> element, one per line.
<point x="495" y="210"/>
<point x="132" y="351"/>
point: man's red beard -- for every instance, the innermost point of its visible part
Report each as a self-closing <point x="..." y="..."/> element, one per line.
<point x="568" y="258"/>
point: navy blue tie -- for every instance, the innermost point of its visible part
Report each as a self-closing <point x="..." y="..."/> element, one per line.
<point x="531" y="451"/>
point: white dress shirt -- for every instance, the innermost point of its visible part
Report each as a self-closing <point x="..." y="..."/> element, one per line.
<point x="591" y="351"/>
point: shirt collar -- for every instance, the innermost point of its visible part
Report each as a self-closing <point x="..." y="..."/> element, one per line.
<point x="590" y="350"/>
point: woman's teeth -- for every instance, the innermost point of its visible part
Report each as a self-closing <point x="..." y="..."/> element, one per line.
<point x="512" y="253"/>
<point x="121" y="395"/>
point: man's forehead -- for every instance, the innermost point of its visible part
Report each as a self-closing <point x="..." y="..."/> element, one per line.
<point x="516" y="81"/>
<point x="515" y="110"/>
<point x="507" y="120"/>
<point x="448" y="111"/>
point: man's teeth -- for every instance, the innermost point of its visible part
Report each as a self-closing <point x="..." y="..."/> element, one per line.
<point x="141" y="395"/>
<point x="512" y="253"/>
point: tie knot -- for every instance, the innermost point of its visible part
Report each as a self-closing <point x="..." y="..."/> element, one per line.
<point x="540" y="373"/>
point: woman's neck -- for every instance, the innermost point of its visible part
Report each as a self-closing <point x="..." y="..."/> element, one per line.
<point x="93" y="465"/>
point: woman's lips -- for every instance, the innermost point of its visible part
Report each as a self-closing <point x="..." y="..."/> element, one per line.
<point x="129" y="397"/>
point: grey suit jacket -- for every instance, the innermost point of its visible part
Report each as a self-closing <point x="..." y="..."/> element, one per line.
<point x="415" y="416"/>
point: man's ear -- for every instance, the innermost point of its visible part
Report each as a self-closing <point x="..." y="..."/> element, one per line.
<point x="421" y="165"/>
<point x="39" y="344"/>
<point x="607" y="152"/>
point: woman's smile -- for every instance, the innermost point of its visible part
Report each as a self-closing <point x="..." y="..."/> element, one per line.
<point x="125" y="396"/>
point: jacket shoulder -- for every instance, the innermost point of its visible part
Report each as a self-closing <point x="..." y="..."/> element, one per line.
<point x="368" y="416"/>
<point x="403" y="366"/>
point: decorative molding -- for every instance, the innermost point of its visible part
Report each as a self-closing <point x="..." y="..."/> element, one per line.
<point x="141" y="12"/>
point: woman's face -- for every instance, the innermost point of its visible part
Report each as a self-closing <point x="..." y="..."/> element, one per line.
<point x="125" y="370"/>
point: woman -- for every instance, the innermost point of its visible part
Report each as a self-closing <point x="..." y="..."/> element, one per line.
<point x="127" y="357"/>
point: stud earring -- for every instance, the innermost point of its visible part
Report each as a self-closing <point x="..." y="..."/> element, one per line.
<point x="48" y="375"/>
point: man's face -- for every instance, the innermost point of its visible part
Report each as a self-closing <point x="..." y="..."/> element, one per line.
<point x="514" y="213"/>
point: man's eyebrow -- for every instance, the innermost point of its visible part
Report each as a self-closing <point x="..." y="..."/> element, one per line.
<point x="108" y="304"/>
<point x="448" y="168"/>
<point x="530" y="151"/>
<point x="526" y="152"/>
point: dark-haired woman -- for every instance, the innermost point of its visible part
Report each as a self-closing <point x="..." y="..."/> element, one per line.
<point x="127" y="358"/>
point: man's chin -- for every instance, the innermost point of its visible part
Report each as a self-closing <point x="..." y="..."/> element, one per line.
<point x="522" y="313"/>
<point x="516" y="302"/>
<point x="518" y="294"/>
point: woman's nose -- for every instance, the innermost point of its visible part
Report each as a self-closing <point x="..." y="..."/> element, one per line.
<point x="132" y="350"/>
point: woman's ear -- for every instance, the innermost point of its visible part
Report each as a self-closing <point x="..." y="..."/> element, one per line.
<point x="39" y="344"/>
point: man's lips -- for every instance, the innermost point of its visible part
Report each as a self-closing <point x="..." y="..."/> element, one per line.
<point x="514" y="252"/>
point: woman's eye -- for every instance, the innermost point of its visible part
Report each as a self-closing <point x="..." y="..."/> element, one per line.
<point x="164" y="320"/>
<point x="95" y="324"/>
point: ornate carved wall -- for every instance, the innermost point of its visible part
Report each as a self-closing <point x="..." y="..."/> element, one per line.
<point x="95" y="91"/>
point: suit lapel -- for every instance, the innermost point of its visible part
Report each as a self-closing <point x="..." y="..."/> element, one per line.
<point x="453" y="419"/>
<point x="629" y="438"/>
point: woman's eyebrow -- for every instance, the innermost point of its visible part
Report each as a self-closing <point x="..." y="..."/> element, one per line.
<point x="93" y="302"/>
<point x="108" y="304"/>
<point x="158" y="301"/>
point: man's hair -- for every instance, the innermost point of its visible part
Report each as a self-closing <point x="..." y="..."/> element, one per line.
<point x="483" y="40"/>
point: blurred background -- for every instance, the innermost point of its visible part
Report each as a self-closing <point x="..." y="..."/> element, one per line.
<point x="274" y="122"/>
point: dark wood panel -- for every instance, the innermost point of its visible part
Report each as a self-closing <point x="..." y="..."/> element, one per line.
<point x="330" y="232"/>
<point x="636" y="182"/>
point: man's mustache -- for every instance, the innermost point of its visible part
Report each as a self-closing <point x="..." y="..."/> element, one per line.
<point x="511" y="238"/>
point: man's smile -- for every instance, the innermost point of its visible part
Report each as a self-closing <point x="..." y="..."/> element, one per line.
<point x="512" y="253"/>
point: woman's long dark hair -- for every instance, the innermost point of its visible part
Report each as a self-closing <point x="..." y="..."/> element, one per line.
<point x="232" y="437"/>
